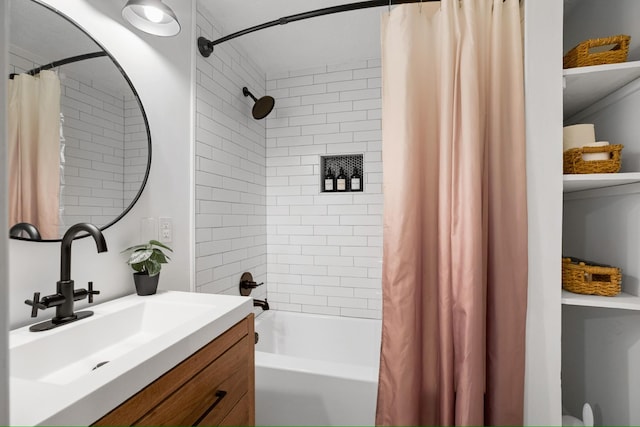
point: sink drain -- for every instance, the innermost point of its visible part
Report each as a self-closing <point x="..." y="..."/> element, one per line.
<point x="100" y="364"/>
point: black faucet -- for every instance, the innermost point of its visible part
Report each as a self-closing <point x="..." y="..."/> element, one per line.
<point x="261" y="303"/>
<point x="30" y="229"/>
<point x="65" y="294"/>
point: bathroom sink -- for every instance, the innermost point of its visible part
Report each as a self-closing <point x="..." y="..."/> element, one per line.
<point x="77" y="373"/>
<point x="76" y="350"/>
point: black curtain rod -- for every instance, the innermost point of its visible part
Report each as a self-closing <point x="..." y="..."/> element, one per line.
<point x="205" y="46"/>
<point x="64" y="61"/>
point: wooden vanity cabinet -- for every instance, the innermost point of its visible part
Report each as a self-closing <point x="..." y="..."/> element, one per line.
<point x="214" y="386"/>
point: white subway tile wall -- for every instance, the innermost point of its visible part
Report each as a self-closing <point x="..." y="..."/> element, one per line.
<point x="94" y="153"/>
<point x="231" y="230"/>
<point x="324" y="249"/>
<point x="104" y="134"/>
<point x="136" y="151"/>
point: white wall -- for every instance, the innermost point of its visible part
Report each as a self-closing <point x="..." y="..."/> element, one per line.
<point x="324" y="249"/>
<point x="4" y="231"/>
<point x="543" y="86"/>
<point x="161" y="70"/>
<point x="230" y="196"/>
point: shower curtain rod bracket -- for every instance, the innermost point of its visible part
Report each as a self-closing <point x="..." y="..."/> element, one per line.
<point x="205" y="47"/>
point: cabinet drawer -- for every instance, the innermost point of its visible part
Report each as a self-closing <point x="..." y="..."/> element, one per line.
<point x="236" y="388"/>
<point x="202" y="396"/>
<point x="240" y="415"/>
<point x="190" y="393"/>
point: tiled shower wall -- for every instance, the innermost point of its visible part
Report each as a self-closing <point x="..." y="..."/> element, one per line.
<point x="324" y="250"/>
<point x="231" y="232"/>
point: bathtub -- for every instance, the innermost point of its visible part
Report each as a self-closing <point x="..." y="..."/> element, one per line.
<point x="316" y="370"/>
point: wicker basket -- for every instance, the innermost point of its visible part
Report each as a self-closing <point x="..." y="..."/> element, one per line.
<point x="584" y="277"/>
<point x="574" y="163"/>
<point x="580" y="56"/>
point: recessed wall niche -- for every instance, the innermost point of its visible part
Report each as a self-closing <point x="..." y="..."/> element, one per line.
<point x="333" y="169"/>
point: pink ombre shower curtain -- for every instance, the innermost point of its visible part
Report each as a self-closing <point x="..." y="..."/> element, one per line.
<point x="34" y="151"/>
<point x="455" y="217"/>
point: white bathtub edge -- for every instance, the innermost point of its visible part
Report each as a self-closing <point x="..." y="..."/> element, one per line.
<point x="317" y="367"/>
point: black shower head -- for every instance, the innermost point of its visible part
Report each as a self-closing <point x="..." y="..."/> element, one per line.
<point x="262" y="106"/>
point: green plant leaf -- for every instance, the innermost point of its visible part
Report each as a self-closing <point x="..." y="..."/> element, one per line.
<point x="159" y="256"/>
<point x="135" y="248"/>
<point x="162" y="245"/>
<point x="140" y="256"/>
<point x="152" y="267"/>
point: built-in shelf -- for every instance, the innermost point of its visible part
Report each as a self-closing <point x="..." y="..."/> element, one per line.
<point x="346" y="163"/>
<point x="582" y="182"/>
<point x="621" y="301"/>
<point x="586" y="85"/>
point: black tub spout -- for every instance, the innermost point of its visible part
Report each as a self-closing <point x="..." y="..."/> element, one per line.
<point x="261" y="303"/>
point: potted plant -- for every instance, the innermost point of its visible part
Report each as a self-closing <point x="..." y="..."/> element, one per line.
<point x="146" y="260"/>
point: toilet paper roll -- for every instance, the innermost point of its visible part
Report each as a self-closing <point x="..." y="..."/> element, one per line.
<point x="588" y="157"/>
<point x="578" y="135"/>
<point x="587" y="415"/>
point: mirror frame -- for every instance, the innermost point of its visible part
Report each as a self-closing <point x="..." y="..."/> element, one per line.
<point x="142" y="110"/>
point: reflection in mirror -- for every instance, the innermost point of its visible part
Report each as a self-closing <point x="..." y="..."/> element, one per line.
<point x="79" y="147"/>
<point x="24" y="229"/>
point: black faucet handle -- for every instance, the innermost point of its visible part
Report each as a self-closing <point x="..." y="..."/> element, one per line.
<point x="91" y="292"/>
<point x="247" y="284"/>
<point x="35" y="304"/>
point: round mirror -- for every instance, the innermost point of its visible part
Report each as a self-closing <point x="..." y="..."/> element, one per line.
<point x="79" y="147"/>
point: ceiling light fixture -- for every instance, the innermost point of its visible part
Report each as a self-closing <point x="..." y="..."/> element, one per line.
<point x="151" y="16"/>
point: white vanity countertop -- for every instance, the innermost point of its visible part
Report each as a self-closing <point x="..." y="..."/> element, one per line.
<point x="52" y="381"/>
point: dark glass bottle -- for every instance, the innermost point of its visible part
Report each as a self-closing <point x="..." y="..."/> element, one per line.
<point x="341" y="182"/>
<point x="356" y="180"/>
<point x="329" y="181"/>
